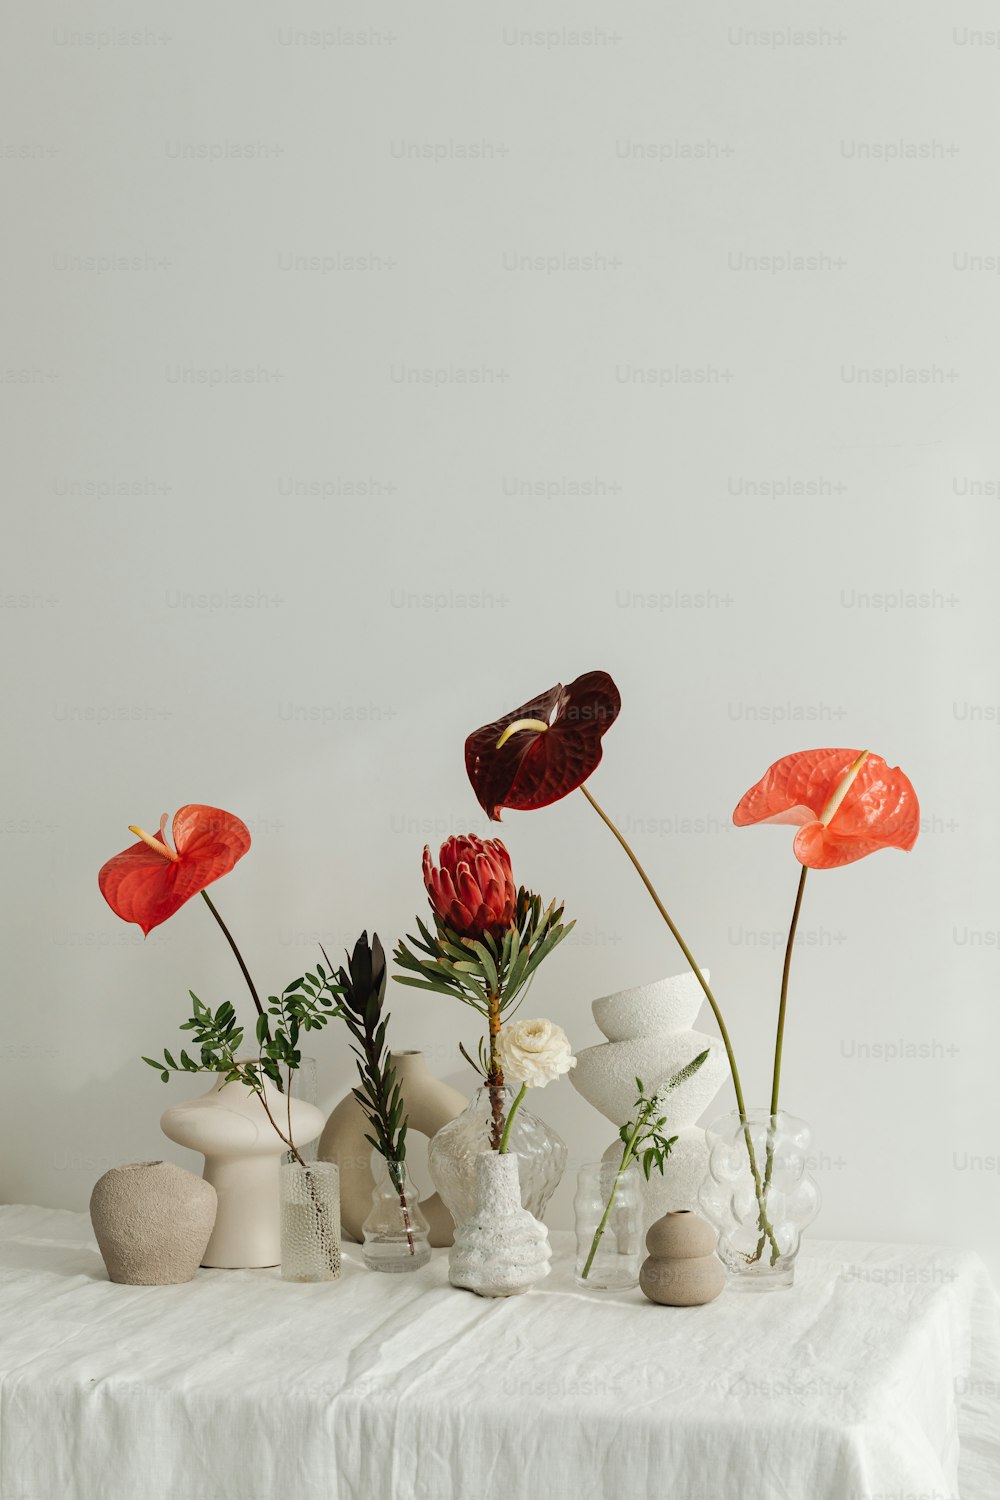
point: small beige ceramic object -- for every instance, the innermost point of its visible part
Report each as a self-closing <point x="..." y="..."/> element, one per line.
<point x="152" y="1220"/>
<point x="682" y="1268"/>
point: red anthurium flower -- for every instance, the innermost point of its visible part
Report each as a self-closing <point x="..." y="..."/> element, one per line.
<point x="147" y="882"/>
<point x="473" y="891"/>
<point x="545" y="749"/>
<point x="847" y="804"/>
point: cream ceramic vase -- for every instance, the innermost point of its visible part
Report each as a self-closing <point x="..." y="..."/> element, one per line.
<point x="501" y="1250"/>
<point x="429" y="1105"/>
<point x="649" y="1036"/>
<point x="243" y="1153"/>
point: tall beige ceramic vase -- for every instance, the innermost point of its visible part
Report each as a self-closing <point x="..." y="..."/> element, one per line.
<point x="429" y="1104"/>
<point x="242" y="1153"/>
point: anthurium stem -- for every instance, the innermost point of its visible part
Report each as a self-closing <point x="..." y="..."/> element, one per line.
<point x="723" y="1032"/>
<point x="239" y="956"/>
<point x="683" y="947"/>
<point x="510" y="1117"/>
<point x="778" y="1044"/>
<point x="779" y="1039"/>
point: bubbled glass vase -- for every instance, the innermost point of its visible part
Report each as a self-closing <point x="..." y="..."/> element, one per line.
<point x="310" y="1221"/>
<point x="759" y="1195"/>
<point x="541" y="1155"/>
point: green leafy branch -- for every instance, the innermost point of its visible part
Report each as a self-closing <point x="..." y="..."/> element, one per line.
<point x="486" y="969"/>
<point x="643" y="1138"/>
<point x="305" y="1005"/>
<point x="362" y="987"/>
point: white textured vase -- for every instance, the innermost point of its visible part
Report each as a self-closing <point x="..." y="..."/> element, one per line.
<point x="243" y="1153"/>
<point x="650" y="1037"/>
<point x="501" y="1250"/>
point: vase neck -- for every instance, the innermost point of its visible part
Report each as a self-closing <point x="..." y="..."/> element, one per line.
<point x="484" y="1094"/>
<point x="409" y="1064"/>
<point x="498" y="1180"/>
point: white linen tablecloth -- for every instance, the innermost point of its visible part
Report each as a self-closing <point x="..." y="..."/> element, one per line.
<point x="854" y="1385"/>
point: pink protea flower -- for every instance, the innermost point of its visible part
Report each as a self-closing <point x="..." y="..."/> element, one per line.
<point x="472" y="891"/>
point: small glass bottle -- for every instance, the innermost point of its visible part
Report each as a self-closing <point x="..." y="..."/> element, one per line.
<point x="396" y="1231"/>
<point x="310" y="1221"/>
<point x="613" y="1263"/>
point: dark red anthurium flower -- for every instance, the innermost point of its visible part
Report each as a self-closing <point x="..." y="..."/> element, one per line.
<point x="545" y="749"/>
<point x="847" y="803"/>
<point x="147" y="882"/>
<point x="473" y="891"/>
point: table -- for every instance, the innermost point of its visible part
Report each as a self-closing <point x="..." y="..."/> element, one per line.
<point x="855" y="1385"/>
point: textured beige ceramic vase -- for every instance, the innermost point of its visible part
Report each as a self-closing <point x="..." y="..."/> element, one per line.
<point x="429" y="1104"/>
<point x="242" y="1153"/>
<point x="682" y="1268"/>
<point x="152" y="1221"/>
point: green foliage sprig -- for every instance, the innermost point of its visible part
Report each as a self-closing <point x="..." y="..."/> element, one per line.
<point x="645" y="1131"/>
<point x="362" y="989"/>
<point x="487" y="969"/>
<point x="307" y="1004"/>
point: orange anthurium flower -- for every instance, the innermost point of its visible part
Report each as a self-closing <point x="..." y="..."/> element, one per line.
<point x="147" y="882"/>
<point x="847" y="803"/>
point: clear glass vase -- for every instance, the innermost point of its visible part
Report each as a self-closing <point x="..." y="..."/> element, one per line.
<point x="760" y="1229"/>
<point x="396" y="1234"/>
<point x="310" y="1221"/>
<point x="613" y="1263"/>
<point x="452" y="1155"/>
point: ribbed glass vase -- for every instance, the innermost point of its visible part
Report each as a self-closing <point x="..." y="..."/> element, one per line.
<point x="453" y="1151"/>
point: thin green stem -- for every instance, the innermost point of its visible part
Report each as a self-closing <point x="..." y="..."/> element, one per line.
<point x="778" y="1044"/>
<point x="510" y="1117"/>
<point x="239" y="956"/>
<point x="723" y="1031"/>
<point x="779" y="1039"/>
<point x="626" y="1159"/>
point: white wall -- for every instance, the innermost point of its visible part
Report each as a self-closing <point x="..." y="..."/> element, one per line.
<point x="314" y="661"/>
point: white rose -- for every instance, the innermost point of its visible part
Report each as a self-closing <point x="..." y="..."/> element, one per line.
<point x="534" y="1052"/>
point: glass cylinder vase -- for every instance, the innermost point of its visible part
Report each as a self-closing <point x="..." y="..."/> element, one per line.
<point x="310" y="1221"/>
<point x="759" y="1195"/>
<point x="395" y="1233"/>
<point x="453" y="1152"/>
<point x="610" y="1219"/>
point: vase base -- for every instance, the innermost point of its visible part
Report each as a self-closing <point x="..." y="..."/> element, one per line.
<point x="769" y="1281"/>
<point x="606" y="1283"/>
<point x="399" y="1265"/>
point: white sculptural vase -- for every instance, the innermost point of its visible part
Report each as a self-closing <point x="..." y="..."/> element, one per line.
<point x="650" y="1037"/>
<point x="243" y="1153"/>
<point x="501" y="1250"/>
